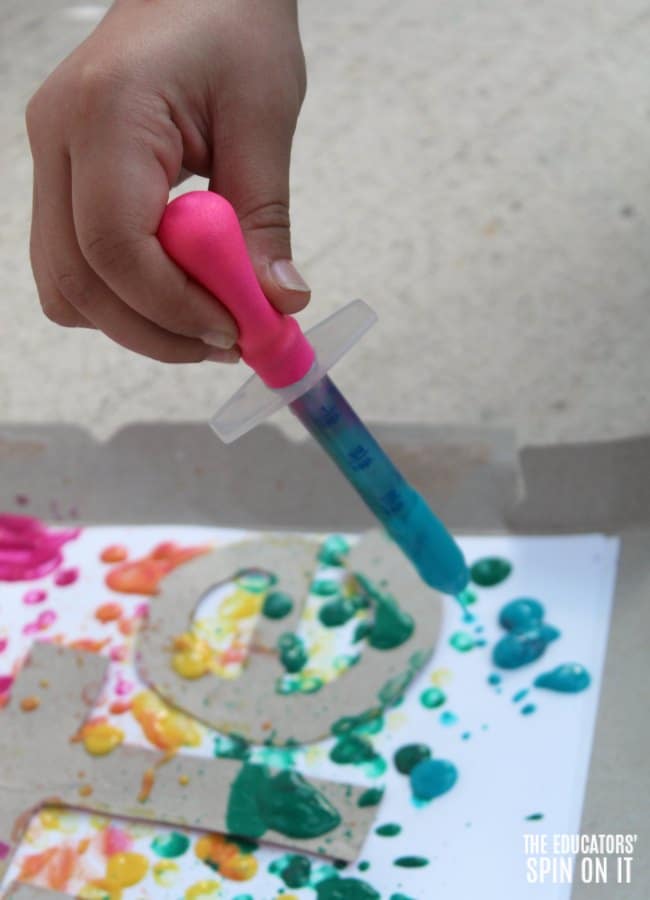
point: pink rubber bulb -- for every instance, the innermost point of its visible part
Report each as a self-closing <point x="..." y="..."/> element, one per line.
<point x="200" y="231"/>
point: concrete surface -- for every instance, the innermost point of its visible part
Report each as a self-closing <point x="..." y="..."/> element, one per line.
<point x="477" y="171"/>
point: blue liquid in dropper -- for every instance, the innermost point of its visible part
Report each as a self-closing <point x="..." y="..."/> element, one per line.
<point x="405" y="515"/>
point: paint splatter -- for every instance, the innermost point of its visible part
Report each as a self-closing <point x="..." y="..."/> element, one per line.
<point x="490" y="571"/>
<point x="192" y="656"/>
<point x="432" y="777"/>
<point x="411" y="862"/>
<point x="114" y="553"/>
<point x="528" y="635"/>
<point x="99" y="736"/>
<point x="336" y="888"/>
<point x="448" y="718"/>
<point x="32" y="598"/>
<point x="143" y="576"/>
<point x="391" y="626"/>
<point x="203" y="890"/>
<point x="227" y="857"/>
<point x="277" y="605"/>
<point x="162" y="725"/>
<point x="65" y="577"/>
<point x="292" y="652"/>
<point x="333" y="550"/>
<point x="535" y="817"/>
<point x="569" y="678"/>
<point x="293" y="869"/>
<point x="28" y="549"/>
<point x="409" y="755"/>
<point x="284" y="802"/>
<point x="432" y="698"/>
<point x="108" y="612"/>
<point x="337" y="612"/>
<point x="528" y="709"/>
<point x="390" y="829"/>
<point x="29" y="704"/>
<point x="371" y="797"/>
<point x="462" y="641"/>
<point x="170" y="845"/>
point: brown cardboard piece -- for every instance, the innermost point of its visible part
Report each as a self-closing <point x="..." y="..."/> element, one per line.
<point x="62" y="685"/>
<point x="250" y="705"/>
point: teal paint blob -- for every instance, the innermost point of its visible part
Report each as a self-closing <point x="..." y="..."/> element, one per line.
<point x="244" y="897"/>
<point x="333" y="550"/>
<point x="569" y="678"/>
<point x="231" y="746"/>
<point x="399" y="897"/>
<point x="255" y="581"/>
<point x="528" y="709"/>
<point x="364" y="865"/>
<point x="337" y="612"/>
<point x="432" y="777"/>
<point x="171" y="845"/>
<point x="494" y="679"/>
<point x="277" y="605"/>
<point x="409" y="755"/>
<point x="370" y="797"/>
<point x="293" y="869"/>
<point x="520" y="695"/>
<point x="284" y="802"/>
<point x="395" y="688"/>
<point x="391" y="626"/>
<point x="448" y="718"/>
<point x="411" y="862"/>
<point x="292" y="652"/>
<point x="325" y="587"/>
<point x="528" y="635"/>
<point x="390" y="829"/>
<point x="432" y="698"/>
<point x="370" y="721"/>
<point x="465" y="599"/>
<point x="534" y="817"/>
<point x="462" y="641"/>
<point x="352" y="749"/>
<point x="345" y="889"/>
<point x="490" y="571"/>
<point x="466" y="735"/>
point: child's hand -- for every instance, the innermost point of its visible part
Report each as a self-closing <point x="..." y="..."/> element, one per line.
<point x="210" y="86"/>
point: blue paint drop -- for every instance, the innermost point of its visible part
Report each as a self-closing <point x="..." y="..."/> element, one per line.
<point x="432" y="777"/>
<point x="520" y="695"/>
<point x="448" y="718"/>
<point x="528" y="709"/>
<point x="528" y="635"/>
<point x="466" y="735"/>
<point x="494" y="679"/>
<point x="569" y="678"/>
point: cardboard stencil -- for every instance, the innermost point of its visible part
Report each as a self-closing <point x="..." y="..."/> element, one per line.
<point x="51" y="697"/>
<point x="250" y="706"/>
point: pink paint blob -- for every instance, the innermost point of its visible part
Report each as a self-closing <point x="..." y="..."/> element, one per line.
<point x="5" y="683"/>
<point x="4" y="850"/>
<point x="116" y="841"/>
<point x="41" y="623"/>
<point x="31" y="598"/>
<point x="29" y="550"/>
<point x="66" y="576"/>
<point x="123" y="687"/>
<point x="3" y="644"/>
<point x="118" y="654"/>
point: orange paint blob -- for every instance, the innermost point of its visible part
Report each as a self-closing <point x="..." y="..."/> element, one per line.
<point x="118" y="707"/>
<point x="146" y="785"/>
<point x="183" y="780"/>
<point x="29" y="704"/>
<point x="85" y="790"/>
<point x="100" y="736"/>
<point x="89" y="645"/>
<point x="162" y="725"/>
<point x="143" y="576"/>
<point x="114" y="553"/>
<point x="218" y="852"/>
<point x="108" y="612"/>
<point x="126" y="869"/>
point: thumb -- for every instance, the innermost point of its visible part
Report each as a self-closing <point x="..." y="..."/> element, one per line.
<point x="251" y="170"/>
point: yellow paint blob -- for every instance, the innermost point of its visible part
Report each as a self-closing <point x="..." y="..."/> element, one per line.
<point x="441" y="677"/>
<point x="183" y="780"/>
<point x="203" y="890"/>
<point x="165" y="872"/>
<point x="101" y="737"/>
<point x="241" y="605"/>
<point x="126" y="869"/>
<point x="163" y="726"/>
<point x="49" y="818"/>
<point x="192" y="656"/>
<point x="97" y="891"/>
<point x="239" y="867"/>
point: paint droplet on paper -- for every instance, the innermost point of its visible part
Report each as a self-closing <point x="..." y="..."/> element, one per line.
<point x="333" y="550"/>
<point x="203" y="890"/>
<point x="494" y="679"/>
<point x="66" y="577"/>
<point x="100" y="736"/>
<point x="183" y="780"/>
<point x="345" y="889"/>
<point x="293" y="869"/>
<point x="292" y="652"/>
<point x="528" y="636"/>
<point x="391" y="626"/>
<point x="108" y="612"/>
<point x="370" y="797"/>
<point x="277" y="605"/>
<point x="432" y="698"/>
<point x="390" y="829"/>
<point x="490" y="571"/>
<point x="114" y="553"/>
<point x="534" y="817"/>
<point x="432" y="777"/>
<point x="29" y="550"/>
<point x="411" y="862"/>
<point x="462" y="641"/>
<point x="85" y="790"/>
<point x="226" y="857"/>
<point x="192" y="656"/>
<point x="32" y="598"/>
<point x="29" y="704"/>
<point x="165" y="872"/>
<point x="448" y="718"/>
<point x="143" y="576"/>
<point x="408" y="756"/>
<point x="170" y="845"/>
<point x="126" y="869"/>
<point x="337" y="612"/>
<point x="528" y="709"/>
<point x="569" y="678"/>
<point x="162" y="725"/>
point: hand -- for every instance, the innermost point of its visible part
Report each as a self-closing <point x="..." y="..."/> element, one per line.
<point x="212" y="87"/>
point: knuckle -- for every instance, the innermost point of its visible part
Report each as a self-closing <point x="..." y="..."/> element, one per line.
<point x="105" y="251"/>
<point x="59" y="312"/>
<point x="271" y="214"/>
<point x="97" y="84"/>
<point x="73" y="287"/>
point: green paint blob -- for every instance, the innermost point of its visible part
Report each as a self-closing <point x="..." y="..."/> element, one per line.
<point x="352" y="749"/>
<point x="362" y="631"/>
<point x="462" y="641"/>
<point x="371" y="797"/>
<point x="390" y="829"/>
<point x="324" y="587"/>
<point x="395" y="688"/>
<point x="284" y="802"/>
<point x="490" y="571"/>
<point x="336" y="612"/>
<point x="345" y="889"/>
<point x="293" y="869"/>
<point x="255" y="582"/>
<point x="528" y="635"/>
<point x="277" y="605"/>
<point x="569" y="678"/>
<point x="231" y="746"/>
<point x="534" y="817"/>
<point x="333" y="550"/>
<point x="391" y="626"/>
<point x="292" y="652"/>
<point x="244" y="897"/>
<point x="394" y="897"/>
<point x="409" y="755"/>
<point x="364" y="865"/>
<point x="370" y="721"/>
<point x="411" y="862"/>
<point x="170" y="845"/>
<point x="432" y="777"/>
<point x="432" y="698"/>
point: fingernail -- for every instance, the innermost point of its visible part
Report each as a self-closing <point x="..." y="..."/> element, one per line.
<point x="220" y="339"/>
<point x="287" y="276"/>
<point x="224" y="356"/>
